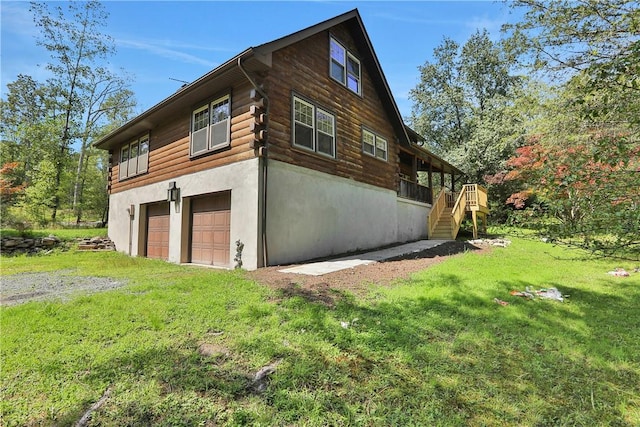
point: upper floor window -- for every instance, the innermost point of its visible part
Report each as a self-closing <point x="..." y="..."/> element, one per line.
<point x="314" y="128"/>
<point x="211" y="126"/>
<point x="345" y="67"/>
<point x="134" y="158"/>
<point x="374" y="145"/>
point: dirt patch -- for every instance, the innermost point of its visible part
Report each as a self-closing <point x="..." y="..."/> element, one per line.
<point x="329" y="288"/>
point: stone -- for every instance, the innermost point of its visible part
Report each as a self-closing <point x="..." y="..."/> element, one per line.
<point x="87" y="246"/>
<point x="10" y="243"/>
<point x="48" y="242"/>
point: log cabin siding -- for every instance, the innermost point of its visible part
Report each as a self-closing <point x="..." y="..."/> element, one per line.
<point x="303" y="69"/>
<point x="169" y="154"/>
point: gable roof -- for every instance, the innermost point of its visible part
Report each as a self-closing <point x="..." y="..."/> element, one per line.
<point x="368" y="56"/>
<point x="259" y="58"/>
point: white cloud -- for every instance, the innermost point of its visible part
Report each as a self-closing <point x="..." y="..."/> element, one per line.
<point x="17" y="20"/>
<point x="165" y="50"/>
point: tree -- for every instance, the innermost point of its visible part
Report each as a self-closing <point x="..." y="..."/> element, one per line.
<point x="81" y="84"/>
<point x="28" y="106"/>
<point x="464" y="105"/>
<point x="586" y="173"/>
<point x="11" y="186"/>
<point x="599" y="40"/>
<point x="42" y="193"/>
<point x="109" y="102"/>
<point x="583" y="152"/>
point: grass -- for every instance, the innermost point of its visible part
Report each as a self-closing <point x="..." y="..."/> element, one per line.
<point x="61" y="233"/>
<point x="433" y="350"/>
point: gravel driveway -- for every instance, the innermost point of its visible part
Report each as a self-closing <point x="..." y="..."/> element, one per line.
<point x="52" y="285"/>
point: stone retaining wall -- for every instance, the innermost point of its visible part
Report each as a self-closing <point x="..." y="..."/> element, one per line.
<point x="11" y="245"/>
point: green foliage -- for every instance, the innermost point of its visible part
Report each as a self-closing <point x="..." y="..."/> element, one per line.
<point x="64" y="234"/>
<point x="584" y="172"/>
<point x="11" y="188"/>
<point x="57" y="120"/>
<point x="471" y="108"/>
<point x="596" y="40"/>
<point x="434" y="350"/>
<point x="40" y="195"/>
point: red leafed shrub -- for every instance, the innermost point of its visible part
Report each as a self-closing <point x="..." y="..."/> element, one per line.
<point x="10" y="184"/>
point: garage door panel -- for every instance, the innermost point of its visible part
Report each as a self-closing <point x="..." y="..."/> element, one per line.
<point x="211" y="224"/>
<point x="158" y="231"/>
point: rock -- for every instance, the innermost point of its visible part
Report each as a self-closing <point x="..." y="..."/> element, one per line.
<point x="48" y="241"/>
<point x="87" y="247"/>
<point x="96" y="243"/>
<point x="259" y="383"/>
<point x="10" y="243"/>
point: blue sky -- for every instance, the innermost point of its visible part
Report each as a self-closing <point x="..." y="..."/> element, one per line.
<point x="157" y="41"/>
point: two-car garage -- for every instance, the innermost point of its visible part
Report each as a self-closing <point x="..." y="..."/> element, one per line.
<point x="209" y="230"/>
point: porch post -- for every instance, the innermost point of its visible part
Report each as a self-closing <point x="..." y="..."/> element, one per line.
<point x="430" y="172"/>
<point x="414" y="169"/>
<point x="442" y="177"/>
<point x="453" y="182"/>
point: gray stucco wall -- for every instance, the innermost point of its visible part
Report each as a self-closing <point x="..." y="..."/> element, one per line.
<point x="312" y="214"/>
<point x="412" y="220"/>
<point x="241" y="178"/>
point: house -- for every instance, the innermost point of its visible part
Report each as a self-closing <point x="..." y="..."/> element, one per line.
<point x="291" y="150"/>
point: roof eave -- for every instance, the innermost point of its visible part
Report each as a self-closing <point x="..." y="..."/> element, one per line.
<point x="147" y="119"/>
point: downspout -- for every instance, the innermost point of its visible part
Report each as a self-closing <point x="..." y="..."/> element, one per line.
<point x="263" y="161"/>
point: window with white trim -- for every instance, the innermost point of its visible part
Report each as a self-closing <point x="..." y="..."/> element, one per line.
<point x="374" y="145"/>
<point x="134" y="158"/>
<point x="344" y="67"/>
<point x="314" y="129"/>
<point x="211" y="126"/>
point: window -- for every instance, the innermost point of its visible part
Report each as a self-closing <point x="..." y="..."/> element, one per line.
<point x="374" y="145"/>
<point x="313" y="128"/>
<point x="210" y="126"/>
<point x="344" y="67"/>
<point x="134" y="158"/>
<point x="337" y="61"/>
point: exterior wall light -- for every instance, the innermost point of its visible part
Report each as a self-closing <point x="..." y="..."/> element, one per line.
<point x="173" y="193"/>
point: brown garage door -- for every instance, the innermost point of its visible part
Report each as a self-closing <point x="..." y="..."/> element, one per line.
<point x="158" y="231"/>
<point x="211" y="229"/>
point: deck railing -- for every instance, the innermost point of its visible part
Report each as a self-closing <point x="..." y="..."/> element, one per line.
<point x="439" y="204"/>
<point x="476" y="197"/>
<point x="471" y="198"/>
<point x="458" y="211"/>
<point x="414" y="191"/>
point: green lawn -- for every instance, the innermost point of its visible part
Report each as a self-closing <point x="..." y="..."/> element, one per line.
<point x="434" y="350"/>
<point x="62" y="233"/>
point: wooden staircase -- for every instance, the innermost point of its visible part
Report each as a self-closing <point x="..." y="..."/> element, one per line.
<point x="443" y="229"/>
<point x="449" y="209"/>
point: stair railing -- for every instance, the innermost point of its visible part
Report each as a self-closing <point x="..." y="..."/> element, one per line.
<point x="458" y="212"/>
<point x="439" y="203"/>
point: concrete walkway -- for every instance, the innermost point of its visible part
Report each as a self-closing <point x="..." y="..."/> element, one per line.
<point x="324" y="267"/>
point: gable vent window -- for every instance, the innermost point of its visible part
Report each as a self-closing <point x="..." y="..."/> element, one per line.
<point x="374" y="145"/>
<point x="345" y="67"/>
<point x="210" y="126"/>
<point x="134" y="158"/>
<point x="314" y="128"/>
